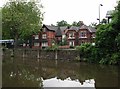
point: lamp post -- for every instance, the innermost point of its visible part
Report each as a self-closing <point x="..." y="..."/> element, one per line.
<point x="99" y="12"/>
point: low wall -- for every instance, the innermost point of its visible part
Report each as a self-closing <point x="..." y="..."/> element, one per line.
<point x="43" y="54"/>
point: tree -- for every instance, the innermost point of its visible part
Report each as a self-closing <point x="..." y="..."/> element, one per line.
<point x="74" y="23"/>
<point x="93" y="24"/>
<point x="62" y="23"/>
<point x="108" y="39"/>
<point x="20" y="19"/>
<point x="80" y="23"/>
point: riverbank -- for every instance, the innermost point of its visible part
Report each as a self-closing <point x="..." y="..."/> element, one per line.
<point x="69" y="54"/>
<point x="61" y="54"/>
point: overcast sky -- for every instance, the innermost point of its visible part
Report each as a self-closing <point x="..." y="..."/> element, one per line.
<point x="74" y="10"/>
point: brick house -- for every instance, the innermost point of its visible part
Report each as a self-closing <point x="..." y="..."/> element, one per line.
<point x="44" y="38"/>
<point x="48" y="36"/>
<point x="78" y="35"/>
<point x="58" y="36"/>
<point x="86" y="34"/>
<point x="74" y="35"/>
<point x="71" y="35"/>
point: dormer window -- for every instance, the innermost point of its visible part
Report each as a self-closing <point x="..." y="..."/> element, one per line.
<point x="44" y="29"/>
<point x="36" y="37"/>
<point x="83" y="34"/>
<point x="71" y="35"/>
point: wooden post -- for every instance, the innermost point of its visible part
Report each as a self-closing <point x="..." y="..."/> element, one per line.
<point x="12" y="53"/>
<point x="38" y="56"/>
<point x="56" y="55"/>
<point x="23" y="53"/>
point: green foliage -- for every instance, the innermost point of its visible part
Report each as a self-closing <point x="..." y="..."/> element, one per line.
<point x="21" y="19"/>
<point x="72" y="47"/>
<point x="108" y="40"/>
<point x="74" y="23"/>
<point x="115" y="58"/>
<point x="87" y="51"/>
<point x="77" y="23"/>
<point x="64" y="42"/>
<point x="93" y="24"/>
<point x="62" y="23"/>
<point x="52" y="48"/>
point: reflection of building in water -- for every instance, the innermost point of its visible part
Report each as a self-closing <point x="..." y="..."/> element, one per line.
<point x="54" y="82"/>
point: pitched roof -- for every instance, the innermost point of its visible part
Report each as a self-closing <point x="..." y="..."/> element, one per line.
<point x="91" y="29"/>
<point x="63" y="29"/>
<point x="74" y="28"/>
<point x="58" y="32"/>
<point x="53" y="28"/>
<point x="84" y="27"/>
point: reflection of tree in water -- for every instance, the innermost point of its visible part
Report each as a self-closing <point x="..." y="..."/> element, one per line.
<point x="28" y="72"/>
<point x="20" y="75"/>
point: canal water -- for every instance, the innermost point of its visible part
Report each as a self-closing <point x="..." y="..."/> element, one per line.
<point x="17" y="72"/>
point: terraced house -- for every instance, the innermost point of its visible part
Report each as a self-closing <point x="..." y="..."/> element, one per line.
<point x="74" y="36"/>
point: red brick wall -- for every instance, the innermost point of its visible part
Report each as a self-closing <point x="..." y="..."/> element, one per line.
<point x="69" y="31"/>
<point x="85" y="40"/>
<point x="75" y="35"/>
<point x="50" y="37"/>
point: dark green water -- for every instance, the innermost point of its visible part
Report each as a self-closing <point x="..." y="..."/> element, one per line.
<point x="25" y="72"/>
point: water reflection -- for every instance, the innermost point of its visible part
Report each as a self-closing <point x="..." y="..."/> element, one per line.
<point x="28" y="72"/>
<point x="68" y="82"/>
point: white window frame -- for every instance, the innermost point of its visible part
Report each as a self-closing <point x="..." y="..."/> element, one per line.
<point x="44" y="44"/>
<point x="36" y="44"/>
<point x="71" y="43"/>
<point x="36" y="36"/>
<point x="71" y="35"/>
<point x="83" y="34"/>
<point x="44" y="36"/>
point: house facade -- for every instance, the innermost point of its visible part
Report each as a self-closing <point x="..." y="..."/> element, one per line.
<point x="44" y="38"/>
<point x="50" y="35"/>
<point x="79" y="35"/>
<point x="86" y="34"/>
<point x="72" y="36"/>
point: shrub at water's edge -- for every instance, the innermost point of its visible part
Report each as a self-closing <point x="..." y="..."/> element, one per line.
<point x="91" y="54"/>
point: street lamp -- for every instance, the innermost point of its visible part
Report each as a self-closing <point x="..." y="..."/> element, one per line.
<point x="99" y="12"/>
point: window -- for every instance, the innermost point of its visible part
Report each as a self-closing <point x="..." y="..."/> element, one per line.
<point x="71" y="35"/>
<point x="36" y="37"/>
<point x="44" y="29"/>
<point x="36" y="44"/>
<point x="71" y="43"/>
<point x="93" y="35"/>
<point x="83" y="34"/>
<point x="44" y="36"/>
<point x="44" y="44"/>
<point x="83" y="41"/>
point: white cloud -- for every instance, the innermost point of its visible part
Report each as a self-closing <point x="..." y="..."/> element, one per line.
<point x="74" y="10"/>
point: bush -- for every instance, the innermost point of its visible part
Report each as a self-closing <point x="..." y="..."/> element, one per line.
<point x="54" y="47"/>
<point x="71" y="46"/>
<point x="114" y="58"/>
<point x="87" y="51"/>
